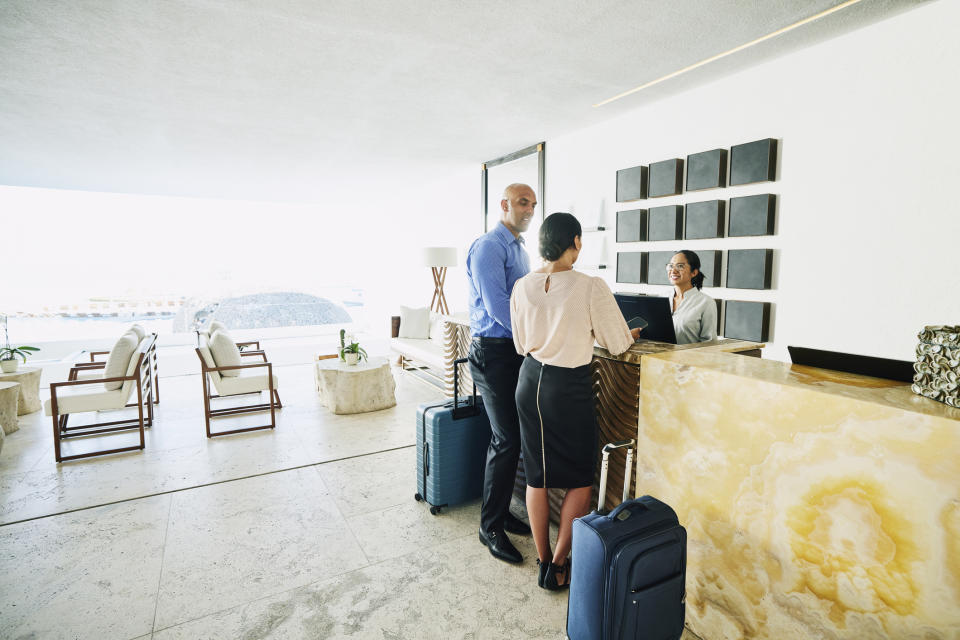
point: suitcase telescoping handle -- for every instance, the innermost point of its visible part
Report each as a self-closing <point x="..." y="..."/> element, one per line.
<point x="467" y="409"/>
<point x="605" y="465"/>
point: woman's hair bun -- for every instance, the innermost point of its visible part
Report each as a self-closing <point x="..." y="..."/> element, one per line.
<point x="557" y="234"/>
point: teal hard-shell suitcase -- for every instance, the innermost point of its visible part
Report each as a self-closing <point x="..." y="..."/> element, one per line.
<point x="452" y="442"/>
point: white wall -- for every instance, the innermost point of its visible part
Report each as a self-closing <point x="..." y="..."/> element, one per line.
<point x="868" y="220"/>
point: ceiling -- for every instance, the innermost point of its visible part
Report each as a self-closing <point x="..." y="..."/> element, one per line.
<point x="293" y="99"/>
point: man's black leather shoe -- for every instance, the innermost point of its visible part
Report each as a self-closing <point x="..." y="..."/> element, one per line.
<point x="500" y="546"/>
<point x="513" y="524"/>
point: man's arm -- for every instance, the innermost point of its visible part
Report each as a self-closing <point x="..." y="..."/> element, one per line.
<point x="490" y="280"/>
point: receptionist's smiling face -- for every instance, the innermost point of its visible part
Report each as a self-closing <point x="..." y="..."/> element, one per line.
<point x="679" y="272"/>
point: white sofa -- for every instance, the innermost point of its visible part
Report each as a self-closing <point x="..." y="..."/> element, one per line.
<point x="431" y="359"/>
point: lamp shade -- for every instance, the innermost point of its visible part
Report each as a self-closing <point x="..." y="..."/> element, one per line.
<point x="440" y="257"/>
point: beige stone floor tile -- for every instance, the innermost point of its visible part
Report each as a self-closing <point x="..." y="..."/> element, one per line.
<point x="23" y="454"/>
<point x="90" y="574"/>
<point x="448" y="591"/>
<point x="237" y="541"/>
<point x="372" y="482"/>
<point x="406" y="527"/>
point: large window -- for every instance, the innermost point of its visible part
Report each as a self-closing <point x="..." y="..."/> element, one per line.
<point x="80" y="263"/>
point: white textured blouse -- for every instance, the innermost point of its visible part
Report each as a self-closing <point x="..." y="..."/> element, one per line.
<point x="558" y="327"/>
<point x="695" y="318"/>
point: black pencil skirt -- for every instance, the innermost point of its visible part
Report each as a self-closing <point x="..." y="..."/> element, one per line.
<point x="558" y="426"/>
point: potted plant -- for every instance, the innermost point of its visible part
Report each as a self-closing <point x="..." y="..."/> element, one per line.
<point x="8" y="357"/>
<point x="350" y="350"/>
<point x="8" y="354"/>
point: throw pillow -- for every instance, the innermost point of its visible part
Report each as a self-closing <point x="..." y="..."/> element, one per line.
<point x="414" y="323"/>
<point x="225" y="353"/>
<point x="436" y="327"/>
<point x="137" y="329"/>
<point x="215" y="325"/>
<point x="119" y="359"/>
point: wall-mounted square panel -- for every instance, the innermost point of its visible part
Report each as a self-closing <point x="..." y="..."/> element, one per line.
<point x="666" y="178"/>
<point x="707" y="170"/>
<point x="665" y="223"/>
<point x="632" y="225"/>
<point x="753" y="215"/>
<point x="631" y="184"/>
<point x="710" y="267"/>
<point x="705" y="219"/>
<point x="746" y="320"/>
<point x="657" y="267"/>
<point x="632" y="267"/>
<point x="749" y="268"/>
<point x="753" y="162"/>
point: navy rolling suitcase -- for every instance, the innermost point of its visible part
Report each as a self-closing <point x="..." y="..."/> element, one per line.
<point x="628" y="569"/>
<point x="452" y="442"/>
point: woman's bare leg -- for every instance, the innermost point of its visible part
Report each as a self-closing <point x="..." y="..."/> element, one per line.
<point x="575" y="504"/>
<point x="538" y="510"/>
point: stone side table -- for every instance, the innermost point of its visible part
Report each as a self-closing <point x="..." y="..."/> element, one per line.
<point x="367" y="386"/>
<point x="9" y="400"/>
<point x="29" y="379"/>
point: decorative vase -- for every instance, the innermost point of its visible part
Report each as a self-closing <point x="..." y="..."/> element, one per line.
<point x="352" y="358"/>
<point x="9" y="366"/>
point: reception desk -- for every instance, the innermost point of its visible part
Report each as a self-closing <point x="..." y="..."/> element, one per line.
<point x="817" y="504"/>
<point x="616" y="386"/>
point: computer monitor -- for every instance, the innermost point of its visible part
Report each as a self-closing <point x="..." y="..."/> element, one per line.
<point x="654" y="310"/>
<point x="899" y="370"/>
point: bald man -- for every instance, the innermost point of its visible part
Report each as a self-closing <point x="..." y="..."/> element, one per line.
<point x="496" y="260"/>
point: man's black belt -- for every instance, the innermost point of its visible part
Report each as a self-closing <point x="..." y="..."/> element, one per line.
<point x="484" y="340"/>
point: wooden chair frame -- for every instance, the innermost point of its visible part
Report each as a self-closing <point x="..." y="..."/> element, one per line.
<point x="143" y="378"/>
<point x="273" y="394"/>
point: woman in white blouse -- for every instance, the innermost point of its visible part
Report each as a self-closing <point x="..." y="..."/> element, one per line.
<point x="694" y="312"/>
<point x="557" y="314"/>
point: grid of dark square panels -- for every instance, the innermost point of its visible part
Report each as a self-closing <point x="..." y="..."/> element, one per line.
<point x="753" y="215"/>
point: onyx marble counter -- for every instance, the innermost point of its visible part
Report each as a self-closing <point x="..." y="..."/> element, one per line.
<point x="818" y="504"/>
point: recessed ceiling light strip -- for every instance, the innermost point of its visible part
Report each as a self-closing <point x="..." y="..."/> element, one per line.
<point x="776" y="33"/>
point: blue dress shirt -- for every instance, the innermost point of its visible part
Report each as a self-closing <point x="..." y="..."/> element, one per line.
<point x="496" y="260"/>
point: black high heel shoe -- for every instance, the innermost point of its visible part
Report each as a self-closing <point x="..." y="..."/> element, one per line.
<point x="557" y="576"/>
<point x="542" y="568"/>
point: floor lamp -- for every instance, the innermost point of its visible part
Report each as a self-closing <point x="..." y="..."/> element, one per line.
<point x="438" y="259"/>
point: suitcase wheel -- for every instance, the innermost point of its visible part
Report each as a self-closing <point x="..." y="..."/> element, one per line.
<point x="417" y="497"/>
<point x="434" y="510"/>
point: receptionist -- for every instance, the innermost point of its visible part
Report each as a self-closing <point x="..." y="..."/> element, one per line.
<point x="694" y="312"/>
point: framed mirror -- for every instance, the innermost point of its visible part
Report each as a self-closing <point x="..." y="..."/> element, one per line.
<point x="525" y="166"/>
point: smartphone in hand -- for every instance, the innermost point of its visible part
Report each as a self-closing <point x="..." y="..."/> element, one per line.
<point x="637" y="323"/>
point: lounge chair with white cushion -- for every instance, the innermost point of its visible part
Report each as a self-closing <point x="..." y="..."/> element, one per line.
<point x="222" y="369"/>
<point x="128" y="368"/>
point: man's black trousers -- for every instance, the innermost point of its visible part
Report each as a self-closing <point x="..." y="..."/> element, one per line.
<point x="495" y="367"/>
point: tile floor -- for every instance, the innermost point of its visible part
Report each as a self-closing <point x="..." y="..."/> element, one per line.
<point x="308" y="531"/>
